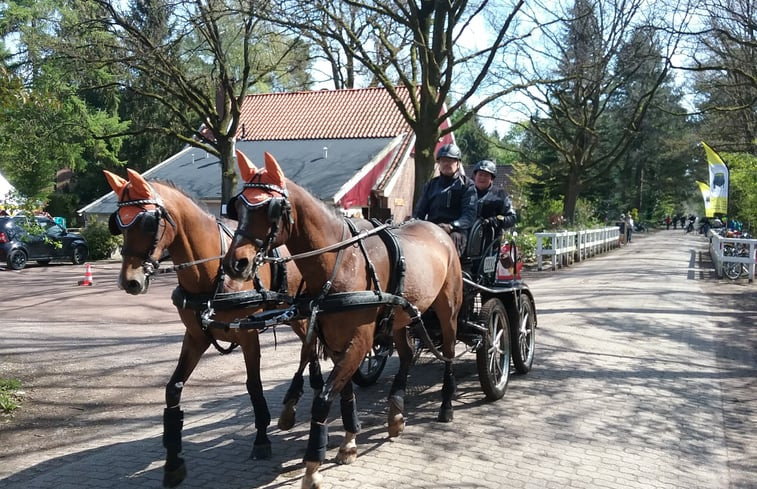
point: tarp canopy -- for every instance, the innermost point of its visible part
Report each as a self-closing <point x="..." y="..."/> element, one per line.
<point x="5" y="189"/>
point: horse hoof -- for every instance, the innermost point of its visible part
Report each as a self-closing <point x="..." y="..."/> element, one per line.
<point x="261" y="452"/>
<point x="312" y="481"/>
<point x="346" y="457"/>
<point x="172" y="478"/>
<point x="396" y="426"/>
<point x="288" y="415"/>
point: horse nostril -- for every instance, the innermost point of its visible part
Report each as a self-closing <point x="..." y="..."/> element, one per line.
<point x="133" y="287"/>
<point x="240" y="266"/>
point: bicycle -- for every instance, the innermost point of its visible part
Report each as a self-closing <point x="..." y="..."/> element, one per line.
<point x="735" y="270"/>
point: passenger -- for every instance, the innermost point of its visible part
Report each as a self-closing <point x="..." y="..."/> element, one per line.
<point x="622" y="230"/>
<point x="494" y="205"/>
<point x="449" y="199"/>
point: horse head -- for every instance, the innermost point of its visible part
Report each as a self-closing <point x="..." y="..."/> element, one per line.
<point x="263" y="212"/>
<point x="147" y="229"/>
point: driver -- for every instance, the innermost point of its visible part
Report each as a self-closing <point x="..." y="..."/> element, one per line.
<point x="494" y="205"/>
<point x="449" y="199"/>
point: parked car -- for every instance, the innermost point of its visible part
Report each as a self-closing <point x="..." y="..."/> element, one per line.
<point x="51" y="242"/>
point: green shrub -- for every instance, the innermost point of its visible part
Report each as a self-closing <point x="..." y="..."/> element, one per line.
<point x="527" y="244"/>
<point x="101" y="243"/>
<point x="9" y="395"/>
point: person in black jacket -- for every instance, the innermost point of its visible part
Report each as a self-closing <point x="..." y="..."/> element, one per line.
<point x="494" y="206"/>
<point x="449" y="199"/>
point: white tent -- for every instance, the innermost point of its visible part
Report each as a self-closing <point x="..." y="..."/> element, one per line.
<point x="5" y="189"/>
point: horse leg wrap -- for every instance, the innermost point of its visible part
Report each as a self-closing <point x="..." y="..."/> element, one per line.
<point x="449" y="388"/>
<point x="320" y="409"/>
<point x="173" y="422"/>
<point x="295" y="389"/>
<point x="173" y="393"/>
<point x="317" y="441"/>
<point x="319" y="435"/>
<point x="316" y="377"/>
<point x="397" y="400"/>
<point x="349" y="415"/>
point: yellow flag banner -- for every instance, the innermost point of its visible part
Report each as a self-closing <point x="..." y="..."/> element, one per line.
<point x="718" y="181"/>
<point x="705" y="189"/>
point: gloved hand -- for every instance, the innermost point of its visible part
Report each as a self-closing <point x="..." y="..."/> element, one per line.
<point x="446" y="227"/>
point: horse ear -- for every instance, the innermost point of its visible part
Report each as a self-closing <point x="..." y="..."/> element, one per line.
<point x="116" y="182"/>
<point x="274" y="171"/>
<point x="140" y="189"/>
<point x="246" y="167"/>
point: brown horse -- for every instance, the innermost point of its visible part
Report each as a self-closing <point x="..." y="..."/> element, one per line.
<point x="273" y="211"/>
<point x="156" y="218"/>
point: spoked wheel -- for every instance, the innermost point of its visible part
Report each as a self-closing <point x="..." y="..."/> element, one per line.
<point x="493" y="356"/>
<point x="524" y="339"/>
<point x="372" y="366"/>
<point x="732" y="270"/>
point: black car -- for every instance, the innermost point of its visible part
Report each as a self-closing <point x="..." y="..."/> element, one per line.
<point x="48" y="242"/>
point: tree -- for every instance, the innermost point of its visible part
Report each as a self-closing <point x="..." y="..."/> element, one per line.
<point x="743" y="188"/>
<point x="723" y="58"/>
<point x="48" y="124"/>
<point x="198" y="60"/>
<point x="596" y="58"/>
<point x="416" y="45"/>
<point x="657" y="164"/>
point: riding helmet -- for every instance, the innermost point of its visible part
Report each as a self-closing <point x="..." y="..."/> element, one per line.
<point x="449" y="151"/>
<point x="487" y="166"/>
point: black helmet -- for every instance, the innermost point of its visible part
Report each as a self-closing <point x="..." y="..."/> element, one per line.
<point x="449" y="151"/>
<point x="487" y="166"/>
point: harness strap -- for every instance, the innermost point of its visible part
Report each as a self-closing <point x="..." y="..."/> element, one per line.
<point x="369" y="263"/>
<point x="315" y="303"/>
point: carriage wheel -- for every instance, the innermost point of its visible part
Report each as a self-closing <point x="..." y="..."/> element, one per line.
<point x="373" y="364"/>
<point x="493" y="356"/>
<point x="524" y="339"/>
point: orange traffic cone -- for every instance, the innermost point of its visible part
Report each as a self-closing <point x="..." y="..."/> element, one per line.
<point x="87" y="277"/>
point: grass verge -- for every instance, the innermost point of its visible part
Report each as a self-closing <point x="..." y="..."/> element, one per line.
<point x="9" y="395"/>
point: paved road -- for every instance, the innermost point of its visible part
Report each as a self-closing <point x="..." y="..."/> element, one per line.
<point x="644" y="378"/>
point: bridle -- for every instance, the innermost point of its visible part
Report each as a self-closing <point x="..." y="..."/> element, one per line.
<point x="149" y="222"/>
<point x="279" y="211"/>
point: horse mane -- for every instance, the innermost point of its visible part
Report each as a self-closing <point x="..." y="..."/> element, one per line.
<point x="327" y="208"/>
<point x="171" y="185"/>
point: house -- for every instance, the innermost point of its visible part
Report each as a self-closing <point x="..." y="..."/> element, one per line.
<point x="350" y="148"/>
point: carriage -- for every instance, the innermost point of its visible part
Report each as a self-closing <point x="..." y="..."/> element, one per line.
<point x="497" y="321"/>
<point x="367" y="287"/>
<point x="362" y="287"/>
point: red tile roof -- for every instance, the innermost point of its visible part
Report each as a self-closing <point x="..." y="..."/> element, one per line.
<point x="322" y="114"/>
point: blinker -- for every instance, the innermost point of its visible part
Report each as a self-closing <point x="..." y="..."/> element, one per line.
<point x="148" y="222"/>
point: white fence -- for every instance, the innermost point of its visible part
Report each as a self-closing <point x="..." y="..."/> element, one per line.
<point x="720" y="259"/>
<point x="565" y="247"/>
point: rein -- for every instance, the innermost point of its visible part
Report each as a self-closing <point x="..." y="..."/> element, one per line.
<point x="341" y="244"/>
<point x="182" y="266"/>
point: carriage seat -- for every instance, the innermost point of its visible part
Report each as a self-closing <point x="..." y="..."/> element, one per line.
<point x="481" y="237"/>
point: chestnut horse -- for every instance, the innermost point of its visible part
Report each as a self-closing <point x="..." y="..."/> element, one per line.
<point x="156" y="218"/>
<point x="273" y="210"/>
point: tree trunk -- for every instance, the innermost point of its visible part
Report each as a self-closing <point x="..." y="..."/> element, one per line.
<point x="571" y="194"/>
<point x="425" y="143"/>
<point x="228" y="168"/>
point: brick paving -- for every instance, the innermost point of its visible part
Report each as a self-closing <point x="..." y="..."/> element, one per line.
<point x="644" y="378"/>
